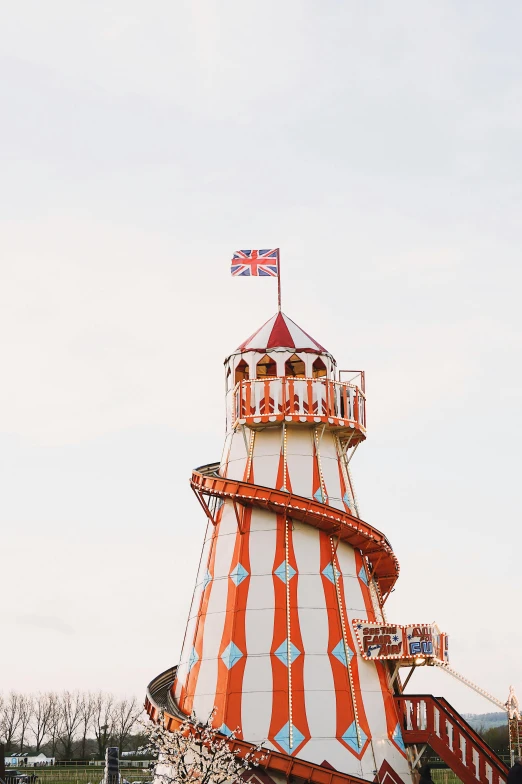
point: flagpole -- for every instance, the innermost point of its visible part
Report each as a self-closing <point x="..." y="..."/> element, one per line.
<point x="279" y="280"/>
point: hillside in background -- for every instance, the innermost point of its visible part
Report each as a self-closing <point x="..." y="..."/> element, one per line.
<point x="485" y="720"/>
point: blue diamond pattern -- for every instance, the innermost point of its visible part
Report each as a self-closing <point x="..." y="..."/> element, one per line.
<point x="224" y="730"/>
<point x="283" y="738"/>
<point x="231" y="655"/>
<point x="319" y="496"/>
<point x="397" y="737"/>
<point x="281" y="571"/>
<point x="329" y="572"/>
<point x="340" y="653"/>
<point x="193" y="658"/>
<point x="207" y="579"/>
<point x="347" y="500"/>
<point x="350" y="737"/>
<point x="362" y="575"/>
<point x="239" y="574"/>
<point x="282" y="653"/>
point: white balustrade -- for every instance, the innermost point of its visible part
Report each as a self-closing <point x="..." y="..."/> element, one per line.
<point x="316" y="398"/>
<point x="476" y="763"/>
<point x="449" y="732"/>
<point x="463" y="749"/>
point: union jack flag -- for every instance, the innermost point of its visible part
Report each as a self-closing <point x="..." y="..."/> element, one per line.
<point x="256" y="262"/>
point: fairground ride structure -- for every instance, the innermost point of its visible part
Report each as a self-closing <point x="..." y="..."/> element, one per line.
<point x="287" y="637"/>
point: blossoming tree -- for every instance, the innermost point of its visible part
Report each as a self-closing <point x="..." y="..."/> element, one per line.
<point x="196" y="753"/>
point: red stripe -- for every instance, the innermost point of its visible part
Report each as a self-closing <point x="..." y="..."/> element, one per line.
<point x="280" y="334"/>
<point x="298" y="688"/>
<point x="230" y="681"/>
<point x="280" y="702"/>
<point x="390" y="707"/>
<point x="279" y="671"/>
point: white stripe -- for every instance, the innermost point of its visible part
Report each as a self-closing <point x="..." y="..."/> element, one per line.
<point x="353" y="597"/>
<point x="256" y="706"/>
<point x="214" y="619"/>
<point x="313" y="620"/>
<point x="330" y="467"/>
<point x="301" y="340"/>
<point x="299" y="461"/>
<point x="267" y="448"/>
<point x="261" y="337"/>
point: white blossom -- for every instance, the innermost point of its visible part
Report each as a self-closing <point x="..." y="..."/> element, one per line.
<point x="196" y="753"/>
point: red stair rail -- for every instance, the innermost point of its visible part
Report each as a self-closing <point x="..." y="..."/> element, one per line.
<point x="432" y="720"/>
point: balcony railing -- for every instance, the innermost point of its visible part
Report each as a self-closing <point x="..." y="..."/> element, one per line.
<point x="261" y="400"/>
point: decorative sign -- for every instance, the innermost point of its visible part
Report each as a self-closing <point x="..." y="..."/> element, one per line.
<point x="379" y="642"/>
<point x="392" y="641"/>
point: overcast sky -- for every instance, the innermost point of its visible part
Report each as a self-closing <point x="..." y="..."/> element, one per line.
<point x="379" y="145"/>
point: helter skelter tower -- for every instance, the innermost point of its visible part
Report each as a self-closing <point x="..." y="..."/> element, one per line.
<point x="287" y="565"/>
<point x="286" y="637"/>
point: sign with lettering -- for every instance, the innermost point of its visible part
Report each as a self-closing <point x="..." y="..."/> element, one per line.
<point x="392" y="641"/>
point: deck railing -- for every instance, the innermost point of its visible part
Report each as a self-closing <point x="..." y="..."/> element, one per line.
<point x="299" y="399"/>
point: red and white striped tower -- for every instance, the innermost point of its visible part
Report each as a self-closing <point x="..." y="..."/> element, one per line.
<point x="287" y="565"/>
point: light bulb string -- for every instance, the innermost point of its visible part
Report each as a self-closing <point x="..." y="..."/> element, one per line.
<point x="288" y="636"/>
<point x="345" y="643"/>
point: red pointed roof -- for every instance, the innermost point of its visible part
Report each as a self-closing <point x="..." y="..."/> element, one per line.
<point x="281" y="332"/>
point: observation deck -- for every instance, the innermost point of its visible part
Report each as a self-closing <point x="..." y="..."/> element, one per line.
<point x="338" y="404"/>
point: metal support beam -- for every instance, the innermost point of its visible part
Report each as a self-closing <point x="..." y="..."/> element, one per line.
<point x="335" y="546"/>
<point x="204" y="506"/>
<point x="354" y="451"/>
<point x="418" y="755"/>
<point x="244" y="438"/>
<point x="344" y="447"/>
<point x="408" y="677"/>
<point x="395" y="673"/>
<point x="239" y="517"/>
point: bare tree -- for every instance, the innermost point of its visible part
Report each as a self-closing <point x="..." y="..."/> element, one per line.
<point x="26" y="712"/>
<point x="66" y="721"/>
<point x="55" y="722"/>
<point x="126" y="712"/>
<point x="86" y="720"/>
<point x="43" y="706"/>
<point x="2" y="720"/>
<point x="196" y="753"/>
<point x="103" y="720"/>
<point x="71" y="713"/>
<point x="10" y="720"/>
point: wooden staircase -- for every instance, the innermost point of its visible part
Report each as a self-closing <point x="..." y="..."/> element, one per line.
<point x="431" y="720"/>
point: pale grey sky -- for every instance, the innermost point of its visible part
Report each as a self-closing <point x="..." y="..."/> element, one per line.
<point x="141" y="143"/>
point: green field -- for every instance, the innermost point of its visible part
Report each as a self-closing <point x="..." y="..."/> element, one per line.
<point x="91" y="774"/>
<point x="443" y="776"/>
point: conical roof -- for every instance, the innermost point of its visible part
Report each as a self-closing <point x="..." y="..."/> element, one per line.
<point x="281" y="332"/>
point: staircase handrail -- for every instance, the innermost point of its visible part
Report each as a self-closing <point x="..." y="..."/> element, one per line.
<point x="448" y="711"/>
